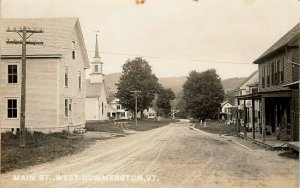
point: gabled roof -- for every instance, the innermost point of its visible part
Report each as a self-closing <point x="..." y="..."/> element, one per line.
<point x="114" y="101"/>
<point x="57" y="36"/>
<point x="111" y="109"/>
<point x="95" y="89"/>
<point x="255" y="84"/>
<point x="246" y="80"/>
<point x="288" y="38"/>
<point x="224" y="103"/>
<point x="105" y="87"/>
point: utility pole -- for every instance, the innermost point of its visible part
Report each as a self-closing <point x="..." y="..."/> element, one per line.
<point x="135" y="94"/>
<point x="22" y="32"/>
<point x="173" y="112"/>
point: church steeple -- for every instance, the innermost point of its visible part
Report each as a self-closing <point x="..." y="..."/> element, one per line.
<point x="96" y="74"/>
<point x="96" y="48"/>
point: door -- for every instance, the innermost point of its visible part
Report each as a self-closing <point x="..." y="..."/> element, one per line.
<point x="284" y="120"/>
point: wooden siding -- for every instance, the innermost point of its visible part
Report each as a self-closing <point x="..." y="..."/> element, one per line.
<point x="287" y="69"/>
<point x="45" y="88"/>
<point x="72" y="91"/>
<point x="92" y="109"/>
<point x="291" y="74"/>
<point x="295" y="68"/>
<point x="41" y="90"/>
<point x="8" y="91"/>
<point x="41" y="108"/>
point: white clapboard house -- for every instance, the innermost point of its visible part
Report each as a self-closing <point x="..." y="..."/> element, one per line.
<point x="55" y="91"/>
<point x="96" y="90"/>
<point x="116" y="111"/>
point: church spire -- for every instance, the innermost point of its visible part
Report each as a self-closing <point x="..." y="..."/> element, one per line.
<point x="97" y="48"/>
<point x="96" y="75"/>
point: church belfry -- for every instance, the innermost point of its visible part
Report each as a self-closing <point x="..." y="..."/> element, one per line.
<point x="97" y="74"/>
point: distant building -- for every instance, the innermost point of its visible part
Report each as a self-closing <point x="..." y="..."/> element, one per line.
<point x="248" y="87"/>
<point x="55" y="81"/>
<point x="149" y="113"/>
<point x="225" y="111"/>
<point x="96" y="91"/>
<point x="116" y="111"/>
<point x="225" y="106"/>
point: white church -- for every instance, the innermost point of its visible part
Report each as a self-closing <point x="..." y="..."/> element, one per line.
<point x="96" y="91"/>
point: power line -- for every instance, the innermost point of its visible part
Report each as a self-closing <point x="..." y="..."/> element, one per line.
<point x="154" y="57"/>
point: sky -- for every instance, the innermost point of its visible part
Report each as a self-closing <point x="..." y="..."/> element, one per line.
<point x="174" y="36"/>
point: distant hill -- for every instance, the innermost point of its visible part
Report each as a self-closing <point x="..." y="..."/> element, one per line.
<point x="232" y="83"/>
<point x="111" y="80"/>
<point x="174" y="83"/>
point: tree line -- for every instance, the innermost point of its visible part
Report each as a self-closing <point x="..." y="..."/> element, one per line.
<point x="137" y="76"/>
<point x="201" y="97"/>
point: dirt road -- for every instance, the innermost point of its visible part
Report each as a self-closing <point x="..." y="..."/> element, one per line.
<point x="170" y="156"/>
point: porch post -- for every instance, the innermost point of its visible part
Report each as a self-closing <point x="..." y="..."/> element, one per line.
<point x="276" y="122"/>
<point x="245" y="119"/>
<point x="263" y="118"/>
<point x="253" y="118"/>
<point x="293" y="107"/>
<point x="238" y="118"/>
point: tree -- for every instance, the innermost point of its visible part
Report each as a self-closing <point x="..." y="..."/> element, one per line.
<point x="180" y="105"/>
<point x="164" y="100"/>
<point x="230" y="96"/>
<point x="203" y="92"/>
<point x="137" y="75"/>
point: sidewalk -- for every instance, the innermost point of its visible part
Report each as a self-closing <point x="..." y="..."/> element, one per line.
<point x="270" y="142"/>
<point x="293" y="145"/>
<point x="243" y="143"/>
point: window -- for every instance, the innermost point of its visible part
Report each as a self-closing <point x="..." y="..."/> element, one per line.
<point x="73" y="51"/>
<point x="281" y="68"/>
<point x="12" y="74"/>
<point x="102" y="109"/>
<point x="79" y="80"/>
<point x="263" y="77"/>
<point x="78" y="106"/>
<point x="273" y="73"/>
<point x="118" y="107"/>
<point x="66" y="77"/>
<point x="254" y="90"/>
<point x="268" y="74"/>
<point x="66" y="107"/>
<point x="70" y="105"/>
<point x="277" y="73"/>
<point x="96" y="68"/>
<point x="12" y="108"/>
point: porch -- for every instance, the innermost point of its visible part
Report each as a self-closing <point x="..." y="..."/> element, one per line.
<point x="270" y="113"/>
